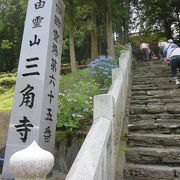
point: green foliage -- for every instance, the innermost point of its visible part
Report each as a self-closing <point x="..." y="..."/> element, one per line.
<point x="67" y="81"/>
<point x="117" y="52"/>
<point x="7" y="82"/>
<point x="6" y="99"/>
<point x="123" y="149"/>
<point x="12" y="15"/>
<point x="77" y="90"/>
<point x="60" y="136"/>
<point x="150" y="37"/>
<point x="76" y="103"/>
<point x="159" y="16"/>
<point x="6" y="44"/>
<point x="101" y="70"/>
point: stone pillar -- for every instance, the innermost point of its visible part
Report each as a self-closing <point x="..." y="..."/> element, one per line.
<point x="36" y="92"/>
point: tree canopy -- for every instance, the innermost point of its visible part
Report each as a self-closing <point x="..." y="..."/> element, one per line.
<point x="89" y="26"/>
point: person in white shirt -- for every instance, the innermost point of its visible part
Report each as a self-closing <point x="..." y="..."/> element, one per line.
<point x="168" y="46"/>
<point x="161" y="46"/>
<point x="173" y="57"/>
<point x="144" y="48"/>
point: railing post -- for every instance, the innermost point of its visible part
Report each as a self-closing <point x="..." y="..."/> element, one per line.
<point x="104" y="106"/>
<point x="31" y="163"/>
<point x="115" y="74"/>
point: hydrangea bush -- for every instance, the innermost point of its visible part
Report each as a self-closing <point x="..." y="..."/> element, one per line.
<point x="78" y="89"/>
<point x="101" y="70"/>
<point x="76" y="105"/>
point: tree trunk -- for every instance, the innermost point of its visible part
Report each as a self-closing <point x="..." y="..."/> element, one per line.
<point x="109" y="29"/>
<point x="178" y="19"/>
<point x="94" y="37"/>
<point x="72" y="51"/>
<point x="168" y="31"/>
<point x="126" y="27"/>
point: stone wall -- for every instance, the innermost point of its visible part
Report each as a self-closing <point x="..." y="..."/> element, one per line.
<point x="66" y="150"/>
<point x="4" y="124"/>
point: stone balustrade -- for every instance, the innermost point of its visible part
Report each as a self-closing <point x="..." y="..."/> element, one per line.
<point x="97" y="158"/>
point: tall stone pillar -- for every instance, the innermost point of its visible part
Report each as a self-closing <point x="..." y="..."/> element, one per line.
<point x="36" y="92"/>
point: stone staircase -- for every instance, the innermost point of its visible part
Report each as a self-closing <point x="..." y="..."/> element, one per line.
<point x="153" y="151"/>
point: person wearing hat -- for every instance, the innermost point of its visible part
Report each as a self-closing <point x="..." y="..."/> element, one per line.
<point x="173" y="57"/>
<point x="167" y="46"/>
<point x="161" y="46"/>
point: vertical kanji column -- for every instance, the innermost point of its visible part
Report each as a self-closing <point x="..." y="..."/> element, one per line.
<point x="36" y="92"/>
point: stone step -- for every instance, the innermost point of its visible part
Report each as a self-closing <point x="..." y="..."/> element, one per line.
<point x="151" y="108"/>
<point x="159" y="156"/>
<point x="150" y="93"/>
<point x="159" y="118"/>
<point x="155" y="108"/>
<point x="157" y="128"/>
<point x="145" y="101"/>
<point x="151" y="172"/>
<point x="144" y="88"/>
<point x="152" y="81"/>
<point x="153" y="140"/>
<point x="138" y="77"/>
<point x="165" y="87"/>
<point x="153" y="151"/>
<point x="159" y="84"/>
<point x="157" y="94"/>
<point x="152" y="75"/>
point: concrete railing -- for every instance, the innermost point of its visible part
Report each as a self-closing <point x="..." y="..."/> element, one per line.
<point x="97" y="157"/>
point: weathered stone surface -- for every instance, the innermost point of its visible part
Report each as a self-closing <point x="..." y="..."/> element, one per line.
<point x="177" y="172"/>
<point x="170" y="100"/>
<point x="158" y="118"/>
<point x="145" y="88"/>
<point x="153" y="155"/>
<point x="138" y="109"/>
<point x="143" y="156"/>
<point x="144" y="97"/>
<point x="141" y="126"/>
<point x="138" y="93"/>
<point x="4" y="124"/>
<point x="154" y="131"/>
<point x="163" y="128"/>
<point x="173" y="108"/>
<point x="172" y="156"/>
<point x="134" y="100"/>
<point x="148" y="172"/>
<point x="156" y="140"/>
<point x="156" y="93"/>
<point x="155" y="108"/>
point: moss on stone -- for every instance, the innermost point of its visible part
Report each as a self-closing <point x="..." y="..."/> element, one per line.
<point x="60" y="136"/>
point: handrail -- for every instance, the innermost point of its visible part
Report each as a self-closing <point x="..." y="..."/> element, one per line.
<point x="97" y="157"/>
<point x="88" y="159"/>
